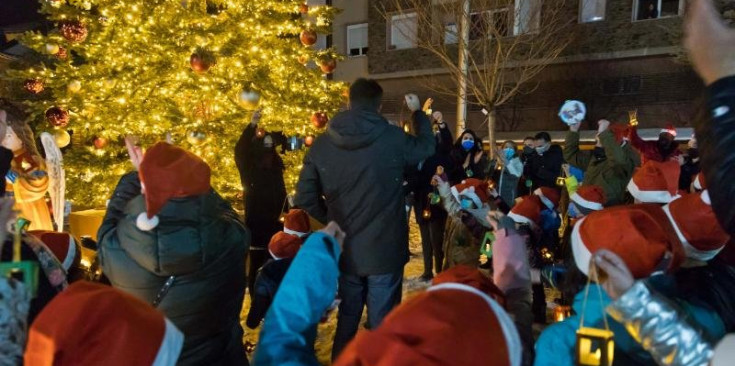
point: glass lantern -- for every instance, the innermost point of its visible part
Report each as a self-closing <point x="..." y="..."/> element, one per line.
<point x="594" y="347"/>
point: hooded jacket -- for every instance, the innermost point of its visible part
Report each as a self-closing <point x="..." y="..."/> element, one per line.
<point x="612" y="173"/>
<point x="201" y="242"/>
<point x="354" y="175"/>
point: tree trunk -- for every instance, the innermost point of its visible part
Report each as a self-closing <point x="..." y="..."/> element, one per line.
<point x="463" y="62"/>
<point x="491" y="132"/>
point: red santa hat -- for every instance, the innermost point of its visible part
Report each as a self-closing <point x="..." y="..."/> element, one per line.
<point x="63" y="245"/>
<point x="167" y="172"/>
<point x="589" y="198"/>
<point x="297" y="223"/>
<point x="640" y="234"/>
<point x="89" y="324"/>
<point x="549" y="197"/>
<point x="670" y="129"/>
<point x="474" y="189"/>
<point x="449" y="324"/>
<point x="472" y="277"/>
<point x="284" y="245"/>
<point x="656" y="182"/>
<point x="696" y="226"/>
<point x="698" y="183"/>
<point x="528" y="211"/>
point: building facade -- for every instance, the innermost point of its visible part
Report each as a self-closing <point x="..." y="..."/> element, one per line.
<point x="626" y="55"/>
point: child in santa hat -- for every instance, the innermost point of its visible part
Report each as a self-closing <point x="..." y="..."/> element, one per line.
<point x="463" y="202"/>
<point x="90" y="324"/>
<point x="169" y="239"/>
<point x="283" y="248"/>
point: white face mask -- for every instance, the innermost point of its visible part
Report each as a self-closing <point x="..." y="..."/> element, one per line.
<point x="543" y="148"/>
<point x="11" y="140"/>
<point x="268" y="141"/>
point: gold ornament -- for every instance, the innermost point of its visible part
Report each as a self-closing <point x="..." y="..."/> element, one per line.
<point x="62" y="137"/>
<point x="52" y="49"/>
<point x="249" y="99"/>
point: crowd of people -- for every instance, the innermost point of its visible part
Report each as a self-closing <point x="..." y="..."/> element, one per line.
<point x="633" y="235"/>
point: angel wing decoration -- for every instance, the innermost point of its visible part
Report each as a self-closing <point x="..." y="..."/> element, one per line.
<point x="57" y="179"/>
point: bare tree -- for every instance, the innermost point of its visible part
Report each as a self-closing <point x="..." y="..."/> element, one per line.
<point x="510" y="42"/>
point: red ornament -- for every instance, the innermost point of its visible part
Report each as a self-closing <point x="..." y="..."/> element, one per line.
<point x="33" y="86"/>
<point x="62" y="54"/>
<point x="74" y="31"/>
<point x="319" y="119"/>
<point x="308" y="37"/>
<point x="100" y="143"/>
<point x="304" y="8"/>
<point x="201" y="61"/>
<point x="309" y="140"/>
<point x="328" y="66"/>
<point x="260" y="133"/>
<point x="57" y="117"/>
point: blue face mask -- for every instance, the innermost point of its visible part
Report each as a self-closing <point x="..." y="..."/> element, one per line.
<point x="466" y="203"/>
<point x="509" y="152"/>
<point x="468" y="145"/>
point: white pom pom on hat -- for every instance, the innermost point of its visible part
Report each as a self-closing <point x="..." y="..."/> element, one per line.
<point x="145" y="224"/>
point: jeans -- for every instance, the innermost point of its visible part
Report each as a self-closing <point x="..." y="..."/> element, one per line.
<point x="381" y="293"/>
<point x="432" y="240"/>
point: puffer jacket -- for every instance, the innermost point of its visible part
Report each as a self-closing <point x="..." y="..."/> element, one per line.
<point x="716" y="137"/>
<point x="201" y="242"/>
<point x="354" y="175"/>
<point x="612" y="173"/>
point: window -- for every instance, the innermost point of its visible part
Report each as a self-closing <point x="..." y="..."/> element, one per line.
<point x="622" y="86"/>
<point x="451" y="33"/>
<point x="488" y="23"/>
<point x="591" y="10"/>
<point x="656" y="9"/>
<point x="357" y="40"/>
<point x="528" y="17"/>
<point x="403" y="31"/>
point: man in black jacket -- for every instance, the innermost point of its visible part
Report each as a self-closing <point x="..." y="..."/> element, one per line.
<point x="354" y="175"/>
<point x="544" y="165"/>
<point x="711" y="46"/>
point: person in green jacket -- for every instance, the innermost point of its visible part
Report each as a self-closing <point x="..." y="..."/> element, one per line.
<point x="170" y="240"/>
<point x="610" y="165"/>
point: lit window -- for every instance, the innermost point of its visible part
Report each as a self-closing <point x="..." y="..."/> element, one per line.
<point x="656" y="9"/>
<point x="403" y="30"/>
<point x="591" y="10"/>
<point x="357" y="40"/>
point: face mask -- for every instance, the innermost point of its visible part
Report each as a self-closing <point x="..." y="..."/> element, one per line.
<point x="467" y="204"/>
<point x="527" y="150"/>
<point x="468" y="145"/>
<point x="509" y="152"/>
<point x="544" y="148"/>
<point x="599" y="153"/>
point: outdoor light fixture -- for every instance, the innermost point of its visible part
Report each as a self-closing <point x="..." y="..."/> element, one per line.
<point x="562" y="312"/>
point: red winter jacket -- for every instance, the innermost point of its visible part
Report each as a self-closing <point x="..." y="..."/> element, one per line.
<point x="649" y="149"/>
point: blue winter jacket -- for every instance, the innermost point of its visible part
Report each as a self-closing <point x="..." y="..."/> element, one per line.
<point x="307" y="290"/>
<point x="555" y="346"/>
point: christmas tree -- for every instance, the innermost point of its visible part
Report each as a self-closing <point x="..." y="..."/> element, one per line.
<point x="195" y="69"/>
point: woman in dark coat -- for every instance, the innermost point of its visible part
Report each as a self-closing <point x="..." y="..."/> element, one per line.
<point x="469" y="159"/>
<point x="261" y="173"/>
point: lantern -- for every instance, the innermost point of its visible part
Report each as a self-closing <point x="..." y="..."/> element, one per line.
<point x="562" y="312"/>
<point x="633" y="118"/>
<point x="426" y="214"/>
<point x="595" y="347"/>
<point x="560" y="181"/>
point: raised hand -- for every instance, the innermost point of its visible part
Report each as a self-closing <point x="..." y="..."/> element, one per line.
<point x="603" y="125"/>
<point x="255" y="119"/>
<point x="412" y="102"/>
<point x="613" y="274"/>
<point x="709" y="42"/>
<point x="575" y="127"/>
<point x="135" y="152"/>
